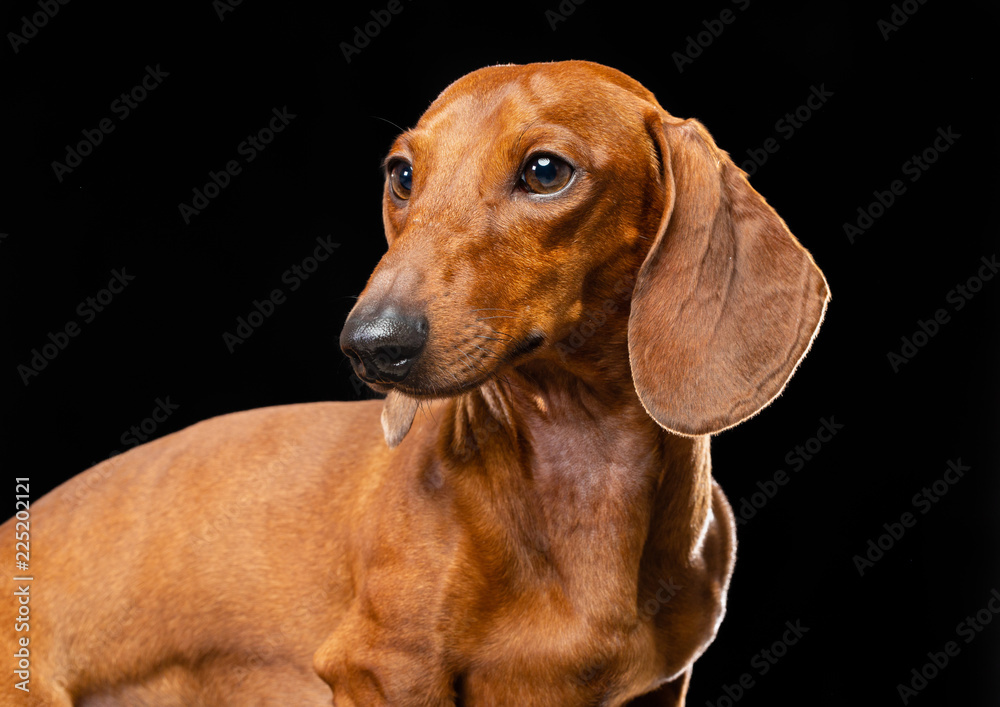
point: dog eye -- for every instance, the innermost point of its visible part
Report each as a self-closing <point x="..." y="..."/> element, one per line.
<point x="401" y="179"/>
<point x="546" y="174"/>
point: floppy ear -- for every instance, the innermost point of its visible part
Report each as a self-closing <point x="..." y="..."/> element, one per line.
<point x="727" y="301"/>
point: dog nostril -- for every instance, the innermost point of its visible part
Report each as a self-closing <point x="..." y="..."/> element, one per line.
<point x="393" y="362"/>
<point x="352" y="355"/>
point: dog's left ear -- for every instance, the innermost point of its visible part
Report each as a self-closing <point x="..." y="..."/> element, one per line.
<point x="727" y="301"/>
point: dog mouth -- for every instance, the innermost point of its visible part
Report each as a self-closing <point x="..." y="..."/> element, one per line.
<point x="527" y="346"/>
<point x="447" y="383"/>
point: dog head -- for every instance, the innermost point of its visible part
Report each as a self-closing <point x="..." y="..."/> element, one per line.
<point x="534" y="202"/>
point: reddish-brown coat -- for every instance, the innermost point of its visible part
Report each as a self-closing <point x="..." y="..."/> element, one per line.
<point x="548" y="531"/>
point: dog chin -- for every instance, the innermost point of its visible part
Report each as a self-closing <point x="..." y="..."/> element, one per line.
<point x="415" y="389"/>
<point x="380" y="388"/>
<point x="410" y="388"/>
<point x="447" y="387"/>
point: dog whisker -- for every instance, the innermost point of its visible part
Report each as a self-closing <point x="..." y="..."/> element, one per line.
<point x="490" y="338"/>
<point x="486" y="351"/>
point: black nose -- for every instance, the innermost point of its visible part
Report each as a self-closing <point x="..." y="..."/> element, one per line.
<point x="383" y="348"/>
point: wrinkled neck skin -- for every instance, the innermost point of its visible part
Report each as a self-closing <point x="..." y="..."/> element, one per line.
<point x="586" y="460"/>
<point x="569" y="493"/>
<point x="572" y="556"/>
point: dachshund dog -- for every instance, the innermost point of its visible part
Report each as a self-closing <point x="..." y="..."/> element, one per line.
<point x="579" y="289"/>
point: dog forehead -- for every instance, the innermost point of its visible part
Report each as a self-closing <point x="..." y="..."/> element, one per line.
<point x="589" y="98"/>
<point x="557" y="77"/>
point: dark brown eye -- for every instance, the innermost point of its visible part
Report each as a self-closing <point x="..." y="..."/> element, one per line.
<point x="546" y="174"/>
<point x="401" y="179"/>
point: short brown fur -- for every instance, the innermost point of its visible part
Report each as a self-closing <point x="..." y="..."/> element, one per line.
<point x="547" y="532"/>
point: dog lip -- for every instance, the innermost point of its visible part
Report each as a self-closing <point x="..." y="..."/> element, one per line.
<point x="523" y="348"/>
<point x="414" y="387"/>
<point x="381" y="387"/>
<point x="373" y="380"/>
<point x="527" y="345"/>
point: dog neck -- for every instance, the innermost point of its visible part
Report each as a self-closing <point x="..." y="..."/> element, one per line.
<point x="560" y="471"/>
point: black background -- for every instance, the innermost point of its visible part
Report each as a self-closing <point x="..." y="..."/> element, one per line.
<point x="162" y="336"/>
